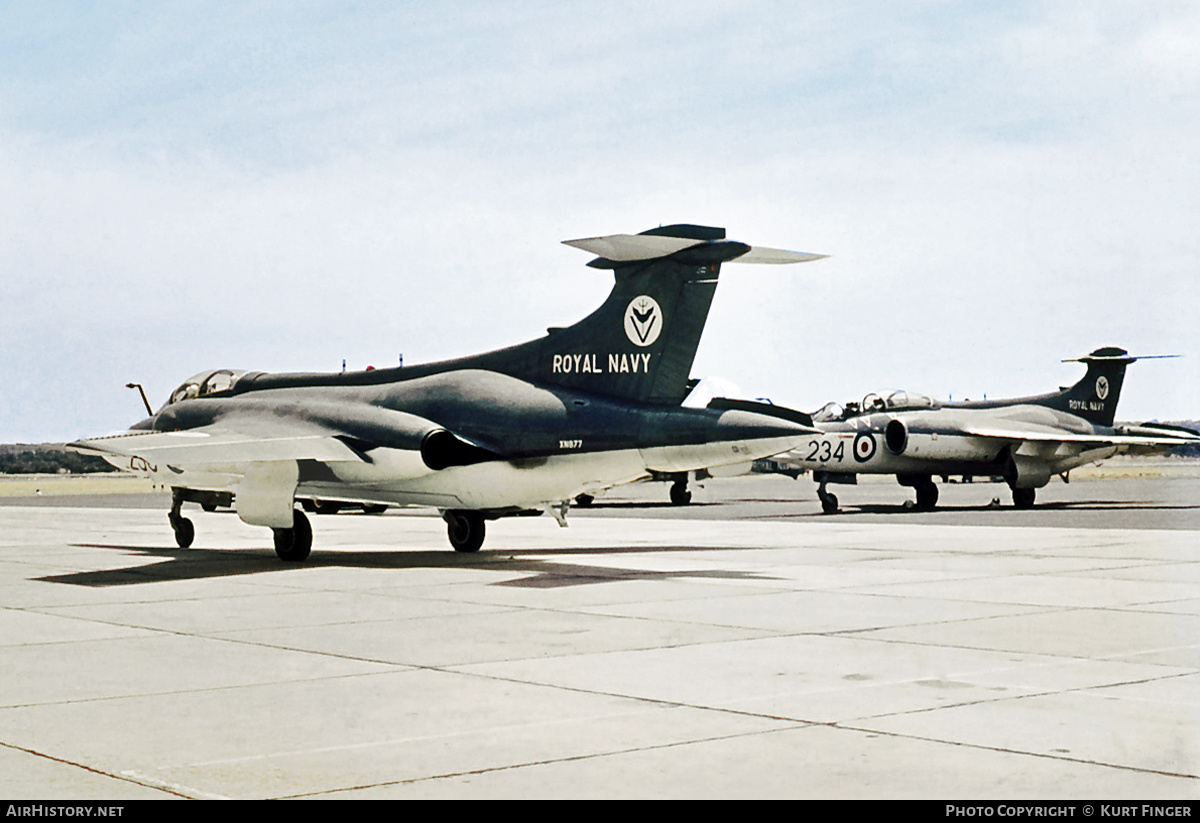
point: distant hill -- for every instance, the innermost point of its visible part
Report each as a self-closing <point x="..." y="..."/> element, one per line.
<point x="47" y="458"/>
<point x="1187" y="451"/>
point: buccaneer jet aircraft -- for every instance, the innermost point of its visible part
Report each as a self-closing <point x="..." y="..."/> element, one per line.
<point x="1025" y="441"/>
<point x="515" y="431"/>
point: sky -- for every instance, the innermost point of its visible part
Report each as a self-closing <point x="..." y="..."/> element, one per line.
<point x="284" y="186"/>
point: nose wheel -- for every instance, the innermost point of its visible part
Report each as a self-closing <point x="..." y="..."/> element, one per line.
<point x="185" y="532"/>
<point x="829" y="502"/>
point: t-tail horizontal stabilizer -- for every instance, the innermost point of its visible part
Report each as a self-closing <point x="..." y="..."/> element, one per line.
<point x="631" y="248"/>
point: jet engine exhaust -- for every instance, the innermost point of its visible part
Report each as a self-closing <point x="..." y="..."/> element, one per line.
<point x="440" y="450"/>
<point x="895" y="437"/>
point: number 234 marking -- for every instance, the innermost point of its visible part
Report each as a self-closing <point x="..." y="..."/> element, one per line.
<point x="823" y="451"/>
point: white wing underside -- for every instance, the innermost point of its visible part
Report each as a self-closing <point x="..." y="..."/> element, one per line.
<point x="1049" y="434"/>
<point x="217" y="445"/>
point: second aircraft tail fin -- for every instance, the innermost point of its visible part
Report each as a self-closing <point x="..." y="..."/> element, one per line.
<point x="1094" y="397"/>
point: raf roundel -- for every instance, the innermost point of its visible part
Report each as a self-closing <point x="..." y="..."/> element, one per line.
<point x="1102" y="387"/>
<point x="643" y="320"/>
<point x="864" y="447"/>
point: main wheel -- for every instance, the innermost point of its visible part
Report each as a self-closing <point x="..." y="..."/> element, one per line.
<point x="465" y="530"/>
<point x="829" y="503"/>
<point x="1023" y="498"/>
<point x="295" y="544"/>
<point x="927" y="496"/>
<point x="680" y="496"/>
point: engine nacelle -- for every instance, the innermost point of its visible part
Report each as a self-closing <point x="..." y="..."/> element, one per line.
<point x="1026" y="472"/>
<point x="923" y="442"/>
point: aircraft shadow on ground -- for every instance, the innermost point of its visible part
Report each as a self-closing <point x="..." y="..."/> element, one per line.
<point x="1057" y="506"/>
<point x="643" y="504"/>
<point x="171" y="564"/>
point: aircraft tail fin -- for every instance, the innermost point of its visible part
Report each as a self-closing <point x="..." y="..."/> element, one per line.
<point x="641" y="342"/>
<point x="1095" y="396"/>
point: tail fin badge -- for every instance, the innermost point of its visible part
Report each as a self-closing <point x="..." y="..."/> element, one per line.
<point x="643" y="320"/>
<point x="1102" y="387"/>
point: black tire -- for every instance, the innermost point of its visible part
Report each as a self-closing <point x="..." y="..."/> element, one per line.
<point x="927" y="496"/>
<point x="1023" y="498"/>
<point x="829" y="503"/>
<point x="374" y="508"/>
<point x="680" y="496"/>
<point x="185" y="532"/>
<point x="295" y="544"/>
<point x="584" y="499"/>
<point x="465" y="530"/>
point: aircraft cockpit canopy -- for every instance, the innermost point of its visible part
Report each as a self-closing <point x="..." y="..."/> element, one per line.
<point x="829" y="412"/>
<point x="204" y="384"/>
<point x="873" y="402"/>
<point x="899" y="400"/>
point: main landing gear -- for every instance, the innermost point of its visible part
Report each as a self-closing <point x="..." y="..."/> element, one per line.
<point x="680" y="496"/>
<point x="292" y="545"/>
<point x="465" y="529"/>
<point x="1023" y="498"/>
<point x="295" y="544"/>
<point x="926" y="489"/>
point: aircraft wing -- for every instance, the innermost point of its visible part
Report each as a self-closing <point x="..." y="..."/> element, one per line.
<point x="1145" y="437"/>
<point x="222" y="444"/>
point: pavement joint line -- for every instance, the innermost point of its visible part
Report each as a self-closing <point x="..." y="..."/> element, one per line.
<point x="123" y="777"/>
<point x="1024" y="753"/>
<point x="553" y="761"/>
